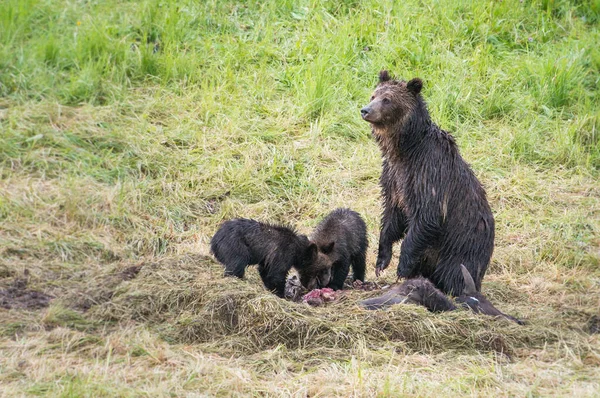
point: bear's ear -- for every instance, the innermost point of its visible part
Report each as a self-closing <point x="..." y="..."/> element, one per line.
<point x="328" y="247"/>
<point x="415" y="85"/>
<point x="384" y="76"/>
<point x="312" y="252"/>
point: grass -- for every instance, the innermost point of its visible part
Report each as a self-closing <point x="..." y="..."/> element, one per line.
<point x="130" y="130"/>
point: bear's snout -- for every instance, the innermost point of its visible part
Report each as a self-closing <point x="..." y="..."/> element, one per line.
<point x="364" y="112"/>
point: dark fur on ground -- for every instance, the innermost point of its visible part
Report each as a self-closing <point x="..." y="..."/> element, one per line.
<point x="342" y="237"/>
<point x="241" y="242"/>
<point x="594" y="324"/>
<point x="431" y="198"/>
<point x="421" y="291"/>
<point x="418" y="291"/>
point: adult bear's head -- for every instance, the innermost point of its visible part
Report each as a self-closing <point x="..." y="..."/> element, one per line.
<point x="392" y="101"/>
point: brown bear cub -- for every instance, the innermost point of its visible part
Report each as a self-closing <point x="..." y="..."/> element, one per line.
<point x="342" y="238"/>
<point x="431" y="198"/>
<point x="241" y="242"/>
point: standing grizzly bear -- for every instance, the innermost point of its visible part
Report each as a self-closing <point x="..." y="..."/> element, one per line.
<point x="342" y="238"/>
<point x="241" y="242"/>
<point x="432" y="199"/>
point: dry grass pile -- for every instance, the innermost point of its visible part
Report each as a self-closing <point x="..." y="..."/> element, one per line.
<point x="188" y="301"/>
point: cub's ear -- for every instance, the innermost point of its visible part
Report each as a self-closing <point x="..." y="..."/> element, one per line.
<point x="384" y="76"/>
<point x="312" y="251"/>
<point x="327" y="248"/>
<point x="415" y="85"/>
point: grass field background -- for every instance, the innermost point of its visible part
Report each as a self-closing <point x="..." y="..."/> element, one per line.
<point x="130" y="129"/>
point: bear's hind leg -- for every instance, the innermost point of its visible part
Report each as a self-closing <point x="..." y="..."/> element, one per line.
<point x="235" y="261"/>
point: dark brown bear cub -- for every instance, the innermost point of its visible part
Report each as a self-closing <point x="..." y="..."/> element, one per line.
<point x="431" y="198"/>
<point x="276" y="249"/>
<point x="342" y="237"/>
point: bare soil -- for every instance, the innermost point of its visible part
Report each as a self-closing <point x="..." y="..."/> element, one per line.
<point x="17" y="296"/>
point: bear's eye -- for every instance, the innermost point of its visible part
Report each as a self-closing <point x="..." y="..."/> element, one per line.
<point x="386" y="100"/>
<point x="372" y="97"/>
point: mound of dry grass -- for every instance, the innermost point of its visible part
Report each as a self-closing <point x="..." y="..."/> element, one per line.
<point x="188" y="300"/>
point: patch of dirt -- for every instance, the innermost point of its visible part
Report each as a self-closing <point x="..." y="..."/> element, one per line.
<point x="17" y="296"/>
<point x="594" y="324"/>
<point x="131" y="272"/>
<point x="5" y="271"/>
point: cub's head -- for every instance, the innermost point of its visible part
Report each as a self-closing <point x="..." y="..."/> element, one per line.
<point x="316" y="273"/>
<point x="392" y="101"/>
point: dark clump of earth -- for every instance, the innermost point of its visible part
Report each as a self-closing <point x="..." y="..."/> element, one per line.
<point x="130" y="272"/>
<point x="594" y="324"/>
<point x="17" y="296"/>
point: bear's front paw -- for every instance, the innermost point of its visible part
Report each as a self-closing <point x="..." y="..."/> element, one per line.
<point x="405" y="269"/>
<point x="382" y="263"/>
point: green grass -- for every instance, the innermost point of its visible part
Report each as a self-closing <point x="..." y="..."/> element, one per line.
<point x="129" y="130"/>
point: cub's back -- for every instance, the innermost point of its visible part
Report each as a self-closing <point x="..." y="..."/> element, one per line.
<point x="344" y="226"/>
